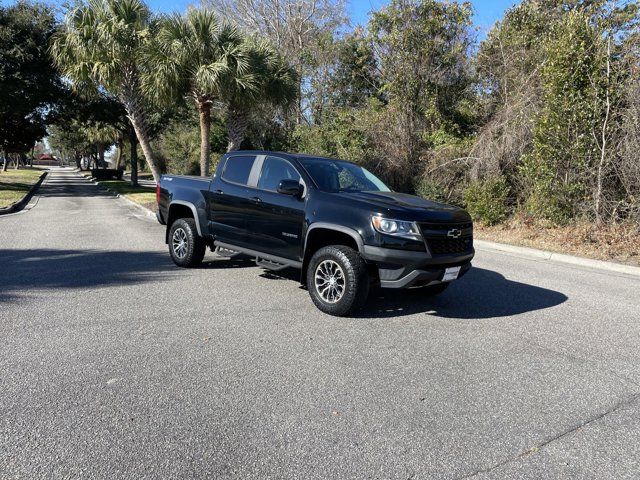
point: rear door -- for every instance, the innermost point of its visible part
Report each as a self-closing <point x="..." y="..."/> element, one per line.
<point x="229" y="200"/>
<point x="276" y="219"/>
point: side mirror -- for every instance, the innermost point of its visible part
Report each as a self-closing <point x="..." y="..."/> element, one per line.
<point x="290" y="187"/>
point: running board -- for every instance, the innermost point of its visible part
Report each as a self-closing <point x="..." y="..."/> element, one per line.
<point x="265" y="260"/>
<point x="269" y="265"/>
<point x="226" y="252"/>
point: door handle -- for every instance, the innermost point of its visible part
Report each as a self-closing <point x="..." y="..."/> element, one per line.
<point x="256" y="200"/>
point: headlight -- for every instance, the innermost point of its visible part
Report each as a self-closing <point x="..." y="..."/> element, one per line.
<point x="397" y="228"/>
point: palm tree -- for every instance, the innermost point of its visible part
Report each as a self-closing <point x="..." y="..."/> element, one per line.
<point x="102" y="135"/>
<point x="194" y="55"/>
<point x="272" y="81"/>
<point x="100" y="45"/>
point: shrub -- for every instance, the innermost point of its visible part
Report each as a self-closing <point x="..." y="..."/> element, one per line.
<point x="486" y="200"/>
<point x="431" y="190"/>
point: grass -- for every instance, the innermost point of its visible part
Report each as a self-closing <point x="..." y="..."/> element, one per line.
<point x="144" y="196"/>
<point x="15" y="184"/>
<point x="618" y="243"/>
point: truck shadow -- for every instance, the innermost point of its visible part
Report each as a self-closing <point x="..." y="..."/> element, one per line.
<point x="479" y="294"/>
<point x="28" y="271"/>
<point x="37" y="269"/>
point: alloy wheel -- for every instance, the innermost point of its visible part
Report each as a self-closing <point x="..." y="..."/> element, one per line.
<point x="179" y="242"/>
<point x="329" y="281"/>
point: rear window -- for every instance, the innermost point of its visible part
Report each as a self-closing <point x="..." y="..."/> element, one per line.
<point x="237" y="169"/>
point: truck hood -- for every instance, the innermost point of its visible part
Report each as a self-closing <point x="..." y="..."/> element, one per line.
<point x="411" y="207"/>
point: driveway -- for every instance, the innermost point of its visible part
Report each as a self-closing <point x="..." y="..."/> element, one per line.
<point x="116" y="364"/>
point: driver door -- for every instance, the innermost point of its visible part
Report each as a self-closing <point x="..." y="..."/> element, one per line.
<point x="277" y="219"/>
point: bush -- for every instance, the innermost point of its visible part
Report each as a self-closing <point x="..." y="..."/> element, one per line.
<point x="486" y="200"/>
<point x="431" y="190"/>
<point x="546" y="197"/>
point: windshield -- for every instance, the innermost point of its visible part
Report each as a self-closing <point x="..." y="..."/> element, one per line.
<point x="338" y="176"/>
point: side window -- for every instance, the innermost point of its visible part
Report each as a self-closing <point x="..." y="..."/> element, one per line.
<point x="274" y="170"/>
<point x="237" y="168"/>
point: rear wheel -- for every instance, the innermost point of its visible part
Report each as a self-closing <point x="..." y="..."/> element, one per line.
<point x="337" y="280"/>
<point x="186" y="247"/>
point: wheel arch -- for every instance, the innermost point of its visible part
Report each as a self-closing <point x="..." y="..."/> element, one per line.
<point x="182" y="209"/>
<point x="324" y="234"/>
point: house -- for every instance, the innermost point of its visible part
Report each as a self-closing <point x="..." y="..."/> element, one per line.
<point x="45" y="159"/>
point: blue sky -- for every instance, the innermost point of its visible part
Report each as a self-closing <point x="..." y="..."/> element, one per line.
<point x="486" y="11"/>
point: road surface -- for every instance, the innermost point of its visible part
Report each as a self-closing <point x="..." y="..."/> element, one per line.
<point x="116" y="364"/>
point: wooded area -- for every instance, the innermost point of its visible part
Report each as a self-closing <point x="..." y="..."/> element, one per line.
<point x="538" y="121"/>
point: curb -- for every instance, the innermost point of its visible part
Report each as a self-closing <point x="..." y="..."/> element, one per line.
<point x="554" y="257"/>
<point x="20" y="204"/>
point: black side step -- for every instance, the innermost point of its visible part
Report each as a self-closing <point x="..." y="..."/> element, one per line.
<point x="226" y="252"/>
<point x="265" y="260"/>
<point x="270" y="265"/>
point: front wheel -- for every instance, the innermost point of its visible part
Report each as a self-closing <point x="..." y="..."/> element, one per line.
<point x="337" y="280"/>
<point x="186" y="247"/>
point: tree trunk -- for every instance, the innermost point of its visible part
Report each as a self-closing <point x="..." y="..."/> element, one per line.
<point x="31" y="159"/>
<point x="204" y="108"/>
<point x="119" y="156"/>
<point x="134" y="156"/>
<point x="136" y="117"/>
<point x="603" y="142"/>
<point x="237" y="122"/>
<point x="6" y="162"/>
<point x="101" y="163"/>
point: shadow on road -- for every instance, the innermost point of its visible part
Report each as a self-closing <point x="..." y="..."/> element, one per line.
<point x="72" y="186"/>
<point x="28" y="270"/>
<point x="479" y="294"/>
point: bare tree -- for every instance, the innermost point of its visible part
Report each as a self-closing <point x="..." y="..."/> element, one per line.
<point x="296" y="28"/>
<point x="602" y="142"/>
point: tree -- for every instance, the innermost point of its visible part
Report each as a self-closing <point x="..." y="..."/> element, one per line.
<point x="554" y="83"/>
<point x="79" y="114"/>
<point x="355" y="77"/>
<point x="271" y="81"/>
<point x="29" y="84"/>
<point x="101" y="45"/>
<point x="195" y="55"/>
<point x="179" y="143"/>
<point x="422" y="48"/>
<point x="296" y="28"/>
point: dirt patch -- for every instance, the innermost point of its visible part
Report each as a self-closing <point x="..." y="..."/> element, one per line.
<point x="618" y="243"/>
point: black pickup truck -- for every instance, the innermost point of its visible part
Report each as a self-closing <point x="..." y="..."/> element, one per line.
<point x="333" y="220"/>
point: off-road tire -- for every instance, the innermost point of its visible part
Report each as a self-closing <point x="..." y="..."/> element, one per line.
<point x="356" y="280"/>
<point x="194" y="245"/>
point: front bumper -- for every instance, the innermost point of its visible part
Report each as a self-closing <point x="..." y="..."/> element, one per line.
<point x="405" y="269"/>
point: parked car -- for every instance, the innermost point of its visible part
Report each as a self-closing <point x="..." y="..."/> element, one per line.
<point x="334" y="221"/>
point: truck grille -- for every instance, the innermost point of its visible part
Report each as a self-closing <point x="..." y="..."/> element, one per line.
<point x="439" y="242"/>
<point x="449" y="245"/>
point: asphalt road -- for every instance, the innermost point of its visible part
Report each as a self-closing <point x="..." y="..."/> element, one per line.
<point x="116" y="364"/>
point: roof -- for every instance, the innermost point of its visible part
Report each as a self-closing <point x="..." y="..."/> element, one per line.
<point x="286" y="154"/>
